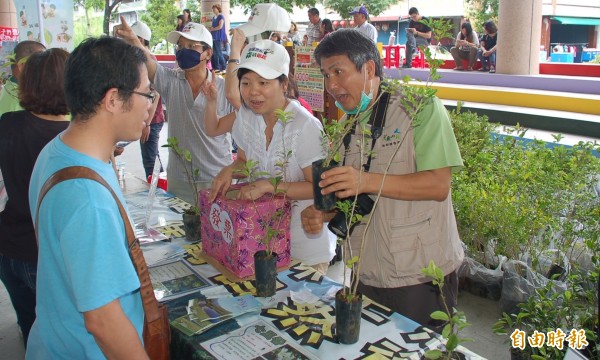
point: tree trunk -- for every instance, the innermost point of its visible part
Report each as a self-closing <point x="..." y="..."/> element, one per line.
<point x="87" y="21"/>
<point x="108" y="8"/>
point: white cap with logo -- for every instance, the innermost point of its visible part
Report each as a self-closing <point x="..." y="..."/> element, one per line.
<point x="266" y="58"/>
<point x="142" y="30"/>
<point x="192" y="31"/>
<point x="266" y="17"/>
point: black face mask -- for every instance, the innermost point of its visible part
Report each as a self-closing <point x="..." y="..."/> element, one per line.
<point x="188" y="58"/>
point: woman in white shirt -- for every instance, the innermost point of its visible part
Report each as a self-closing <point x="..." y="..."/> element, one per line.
<point x="262" y="76"/>
<point x="466" y="46"/>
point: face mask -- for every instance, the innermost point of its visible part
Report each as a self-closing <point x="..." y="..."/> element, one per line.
<point x="188" y="58"/>
<point x="364" y="102"/>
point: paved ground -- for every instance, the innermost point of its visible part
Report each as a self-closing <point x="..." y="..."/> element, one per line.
<point x="481" y="313"/>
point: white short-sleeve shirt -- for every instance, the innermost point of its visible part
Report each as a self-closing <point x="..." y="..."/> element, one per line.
<point x="303" y="136"/>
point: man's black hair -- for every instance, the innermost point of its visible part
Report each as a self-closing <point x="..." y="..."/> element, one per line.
<point x="313" y="11"/>
<point x="354" y="44"/>
<point x="96" y="66"/>
<point x="413" y="10"/>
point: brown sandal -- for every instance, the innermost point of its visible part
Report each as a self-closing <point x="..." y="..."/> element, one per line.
<point x="458" y="68"/>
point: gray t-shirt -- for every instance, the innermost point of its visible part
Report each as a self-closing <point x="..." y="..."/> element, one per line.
<point x="186" y="123"/>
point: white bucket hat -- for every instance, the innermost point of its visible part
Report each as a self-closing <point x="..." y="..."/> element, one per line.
<point x="266" y="58"/>
<point x="192" y="31"/>
<point x="142" y="30"/>
<point x="266" y="17"/>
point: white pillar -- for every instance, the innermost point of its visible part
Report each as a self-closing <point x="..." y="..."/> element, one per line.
<point x="519" y="36"/>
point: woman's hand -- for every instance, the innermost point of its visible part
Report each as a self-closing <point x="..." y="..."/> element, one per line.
<point x="221" y="183"/>
<point x="238" y="38"/>
<point x="255" y="190"/>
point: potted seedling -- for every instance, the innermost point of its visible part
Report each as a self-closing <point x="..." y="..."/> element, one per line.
<point x="333" y="135"/>
<point x="265" y="261"/>
<point x="191" y="216"/>
<point x="454" y="320"/>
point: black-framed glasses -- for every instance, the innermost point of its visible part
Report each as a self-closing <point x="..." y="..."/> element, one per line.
<point x="151" y="95"/>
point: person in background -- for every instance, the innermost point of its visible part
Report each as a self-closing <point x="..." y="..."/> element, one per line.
<point x="219" y="36"/>
<point x="88" y="292"/>
<point x="262" y="83"/>
<point x="326" y="27"/>
<point x="313" y="31"/>
<point x="417" y="34"/>
<point x="9" y="95"/>
<point x="414" y="221"/>
<point x="187" y="17"/>
<point x="465" y="47"/>
<point x="179" y="26"/>
<point x="487" y="52"/>
<point x="276" y="37"/>
<point x="361" y="15"/>
<point x="183" y="91"/>
<point x="293" y="35"/>
<point x="151" y="133"/>
<point x="23" y="135"/>
<point x="305" y="40"/>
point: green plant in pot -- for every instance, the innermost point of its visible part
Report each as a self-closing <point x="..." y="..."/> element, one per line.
<point x="265" y="261"/>
<point x="454" y="320"/>
<point x="573" y="311"/>
<point x="333" y="135"/>
<point x="191" y="216"/>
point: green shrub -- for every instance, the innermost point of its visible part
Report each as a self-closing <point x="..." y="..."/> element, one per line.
<point x="521" y="197"/>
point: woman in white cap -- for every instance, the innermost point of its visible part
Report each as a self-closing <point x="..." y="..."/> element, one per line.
<point x="263" y="80"/>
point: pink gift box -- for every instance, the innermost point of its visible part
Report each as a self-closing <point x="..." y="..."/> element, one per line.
<point x="232" y="230"/>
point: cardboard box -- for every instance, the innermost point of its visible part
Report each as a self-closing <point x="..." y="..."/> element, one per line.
<point x="232" y="230"/>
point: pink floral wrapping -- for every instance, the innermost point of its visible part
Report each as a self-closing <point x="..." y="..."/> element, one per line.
<point x="232" y="230"/>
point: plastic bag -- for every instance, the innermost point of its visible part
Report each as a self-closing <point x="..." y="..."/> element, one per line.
<point x="519" y="282"/>
<point x="479" y="280"/>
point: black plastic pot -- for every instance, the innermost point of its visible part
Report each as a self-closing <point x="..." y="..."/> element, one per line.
<point x="191" y="226"/>
<point x="265" y="271"/>
<point x="347" y="318"/>
<point x="322" y="202"/>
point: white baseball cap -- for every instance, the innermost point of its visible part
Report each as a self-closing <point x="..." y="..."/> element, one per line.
<point x="266" y="58"/>
<point x="192" y="31"/>
<point x="142" y="30"/>
<point x="266" y="17"/>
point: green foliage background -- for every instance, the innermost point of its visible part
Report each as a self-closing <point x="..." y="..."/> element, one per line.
<point x="161" y="17"/>
<point x="482" y="11"/>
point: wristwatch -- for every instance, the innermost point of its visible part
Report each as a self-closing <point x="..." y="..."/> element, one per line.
<point x="233" y="61"/>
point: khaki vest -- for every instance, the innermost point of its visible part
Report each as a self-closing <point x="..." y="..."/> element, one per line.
<point x="403" y="235"/>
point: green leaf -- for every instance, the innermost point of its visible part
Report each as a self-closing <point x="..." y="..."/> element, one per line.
<point x="452" y="342"/>
<point x="433" y="354"/>
<point x="447" y="330"/>
<point x="440" y="315"/>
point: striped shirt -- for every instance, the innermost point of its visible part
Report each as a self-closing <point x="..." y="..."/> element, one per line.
<point x="186" y="122"/>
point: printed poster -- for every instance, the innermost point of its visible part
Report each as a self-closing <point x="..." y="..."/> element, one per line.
<point x="311" y="86"/>
<point x="47" y="21"/>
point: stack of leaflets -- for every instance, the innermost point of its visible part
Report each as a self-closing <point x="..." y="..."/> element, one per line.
<point x="202" y="313"/>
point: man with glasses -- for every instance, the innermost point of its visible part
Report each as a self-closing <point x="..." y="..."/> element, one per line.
<point x="417" y="34"/>
<point x="183" y="91"/>
<point x="88" y="292"/>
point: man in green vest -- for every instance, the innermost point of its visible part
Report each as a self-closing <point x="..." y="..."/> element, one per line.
<point x="9" y="95"/>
